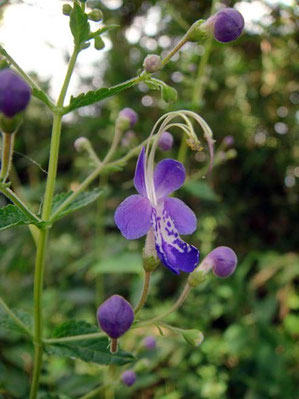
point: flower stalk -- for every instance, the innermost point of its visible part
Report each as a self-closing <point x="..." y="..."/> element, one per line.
<point x="7" y="151"/>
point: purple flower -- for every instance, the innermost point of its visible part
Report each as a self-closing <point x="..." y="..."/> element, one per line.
<point x="128" y="377"/>
<point x="115" y="316"/>
<point x="152" y="208"/>
<point x="149" y="342"/>
<point x="128" y="115"/>
<point x="223" y="261"/>
<point x="14" y="93"/>
<point x="165" y="142"/>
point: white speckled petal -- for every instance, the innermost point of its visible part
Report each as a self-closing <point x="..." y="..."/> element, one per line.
<point x="175" y="253"/>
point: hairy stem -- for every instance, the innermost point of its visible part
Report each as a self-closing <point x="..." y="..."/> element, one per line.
<point x="43" y="234"/>
<point x="7" y="151"/>
<point x="144" y="294"/>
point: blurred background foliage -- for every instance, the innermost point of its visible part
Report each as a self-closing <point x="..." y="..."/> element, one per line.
<point x="250" y="321"/>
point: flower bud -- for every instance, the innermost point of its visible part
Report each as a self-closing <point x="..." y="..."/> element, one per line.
<point x="165" y="142"/>
<point x="128" y="377"/>
<point x="228" y="141"/>
<point x="95" y="15"/>
<point x="127" y="118"/>
<point x="193" y="337"/>
<point x="128" y="139"/>
<point x="81" y="144"/>
<point x="152" y="63"/>
<point x="115" y="316"/>
<point x="150" y="342"/>
<point x="14" y="93"/>
<point x="223" y="261"/>
<point x="98" y="43"/>
<point x="227" y="25"/>
<point x="67" y="9"/>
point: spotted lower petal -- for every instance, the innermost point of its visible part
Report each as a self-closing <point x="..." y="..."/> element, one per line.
<point x="175" y="253"/>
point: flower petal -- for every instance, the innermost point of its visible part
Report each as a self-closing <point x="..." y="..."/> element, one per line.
<point x="133" y="217"/>
<point x="139" y="178"/>
<point x="169" y="176"/>
<point x="184" y="218"/>
<point x="175" y="253"/>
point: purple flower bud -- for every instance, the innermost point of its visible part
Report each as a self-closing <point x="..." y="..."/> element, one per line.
<point x="128" y="139"/>
<point x="228" y="25"/>
<point x="149" y="342"/>
<point x="129" y="115"/>
<point x="115" y="316"/>
<point x="152" y="63"/>
<point x="165" y="142"/>
<point x="128" y="377"/>
<point x="223" y="261"/>
<point x="14" y="93"/>
<point x="229" y="141"/>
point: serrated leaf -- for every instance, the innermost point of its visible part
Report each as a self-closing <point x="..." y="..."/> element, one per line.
<point x="7" y="323"/>
<point x="94" y="350"/>
<point x="11" y="216"/>
<point x="83" y="199"/>
<point x="79" y="25"/>
<point x="41" y="96"/>
<point x="92" y="97"/>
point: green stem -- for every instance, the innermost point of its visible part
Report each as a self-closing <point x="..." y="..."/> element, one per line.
<point x="7" y="150"/>
<point x="174" y="50"/>
<point x="43" y="234"/>
<point x="14" y="317"/>
<point x="199" y="85"/>
<point x="19" y="203"/>
<point x="144" y="294"/>
<point x="178" y="304"/>
<point x="94" y="393"/>
<point x="38" y="320"/>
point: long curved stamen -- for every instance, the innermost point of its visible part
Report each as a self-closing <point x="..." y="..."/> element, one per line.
<point x="187" y="128"/>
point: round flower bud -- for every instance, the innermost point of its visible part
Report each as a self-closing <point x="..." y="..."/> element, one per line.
<point x="67" y="9"/>
<point x="150" y="342"/>
<point x="95" y="15"/>
<point x="228" y="141"/>
<point x="81" y="143"/>
<point x="115" y="316"/>
<point x="228" y="25"/>
<point x="152" y="63"/>
<point x="128" y="377"/>
<point x="127" y="118"/>
<point x="165" y="142"/>
<point x="223" y="261"/>
<point x="14" y="93"/>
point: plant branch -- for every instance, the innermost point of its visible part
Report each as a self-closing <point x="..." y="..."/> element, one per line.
<point x="144" y="294"/>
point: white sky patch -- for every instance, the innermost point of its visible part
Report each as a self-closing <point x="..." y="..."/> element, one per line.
<point x="37" y="35"/>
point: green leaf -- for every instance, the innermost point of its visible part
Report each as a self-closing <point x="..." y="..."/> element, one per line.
<point x="79" y="25"/>
<point x="11" y="216"/>
<point x="83" y="199"/>
<point x="201" y="190"/>
<point x="92" y="97"/>
<point x="41" y="95"/>
<point x="7" y="323"/>
<point x="128" y="262"/>
<point x="94" y="350"/>
<point x="103" y="30"/>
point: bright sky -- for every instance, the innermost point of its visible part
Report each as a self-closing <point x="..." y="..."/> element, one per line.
<point x="37" y="36"/>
